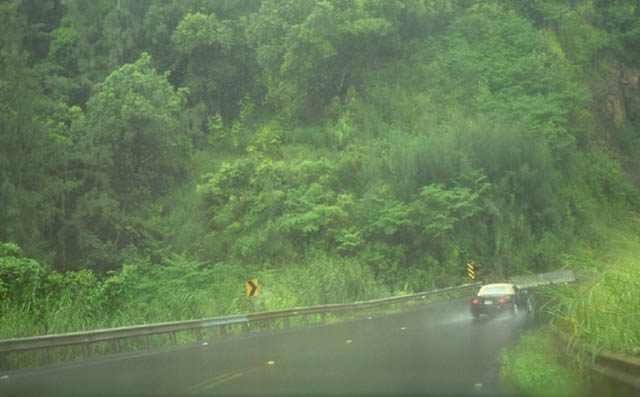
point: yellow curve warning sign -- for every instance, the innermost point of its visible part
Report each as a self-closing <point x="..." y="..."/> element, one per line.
<point x="252" y="287"/>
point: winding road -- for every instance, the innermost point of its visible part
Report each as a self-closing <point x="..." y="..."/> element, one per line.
<point x="432" y="348"/>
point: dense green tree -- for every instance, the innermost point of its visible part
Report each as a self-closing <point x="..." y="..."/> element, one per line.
<point x="34" y="142"/>
<point x="131" y="128"/>
<point x="310" y="52"/>
<point x="219" y="68"/>
<point x="621" y="19"/>
<point x="132" y="152"/>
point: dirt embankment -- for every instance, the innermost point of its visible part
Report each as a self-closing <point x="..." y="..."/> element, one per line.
<point x="618" y="94"/>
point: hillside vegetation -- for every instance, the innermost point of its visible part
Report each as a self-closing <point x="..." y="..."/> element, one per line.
<point x="155" y="154"/>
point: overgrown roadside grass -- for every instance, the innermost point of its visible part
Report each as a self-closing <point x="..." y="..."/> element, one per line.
<point x="598" y="312"/>
<point x="41" y="301"/>
<point x="538" y="367"/>
<point x="602" y="311"/>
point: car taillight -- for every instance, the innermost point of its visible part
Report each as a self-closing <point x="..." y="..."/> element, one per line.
<point x="501" y="301"/>
<point x="475" y="301"/>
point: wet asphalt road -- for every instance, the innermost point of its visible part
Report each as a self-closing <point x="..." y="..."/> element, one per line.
<point x="431" y="349"/>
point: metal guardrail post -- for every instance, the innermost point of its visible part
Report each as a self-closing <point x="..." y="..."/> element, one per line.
<point x="4" y="362"/>
<point x="116" y="345"/>
<point x="199" y="334"/>
<point x="85" y="351"/>
<point x="45" y="356"/>
<point x="172" y="338"/>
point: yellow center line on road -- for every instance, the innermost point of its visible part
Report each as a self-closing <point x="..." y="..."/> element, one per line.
<point x="220" y="379"/>
<point x="201" y="385"/>
<point x="218" y="382"/>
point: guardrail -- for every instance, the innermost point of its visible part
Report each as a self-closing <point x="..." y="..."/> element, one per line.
<point x="116" y="335"/>
<point x="623" y="368"/>
<point x="536" y="280"/>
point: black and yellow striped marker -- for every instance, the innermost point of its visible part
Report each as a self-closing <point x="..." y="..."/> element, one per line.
<point x="471" y="271"/>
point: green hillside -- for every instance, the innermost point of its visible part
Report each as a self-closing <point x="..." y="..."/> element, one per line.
<point x="155" y="154"/>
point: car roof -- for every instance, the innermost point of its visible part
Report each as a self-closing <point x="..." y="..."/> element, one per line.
<point x="509" y="288"/>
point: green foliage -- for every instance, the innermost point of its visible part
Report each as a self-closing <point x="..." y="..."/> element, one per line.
<point x="39" y="300"/>
<point x="19" y="278"/>
<point x="251" y="202"/>
<point x="306" y="49"/>
<point x="34" y="150"/>
<point x="216" y="57"/>
<point x="321" y="281"/>
<point x="201" y="30"/>
<point x="10" y="249"/>
<point x="620" y="19"/>
<point x="61" y="49"/>
<point x="536" y="367"/>
<point x="130" y="144"/>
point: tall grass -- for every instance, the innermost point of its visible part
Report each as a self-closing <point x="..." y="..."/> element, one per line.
<point x="536" y="367"/>
<point x="177" y="289"/>
<point x="323" y="280"/>
<point x="603" y="312"/>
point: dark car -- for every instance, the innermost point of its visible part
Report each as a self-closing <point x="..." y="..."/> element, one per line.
<point x="494" y="298"/>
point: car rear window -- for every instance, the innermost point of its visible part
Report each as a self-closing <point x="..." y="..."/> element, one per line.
<point x="492" y="291"/>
